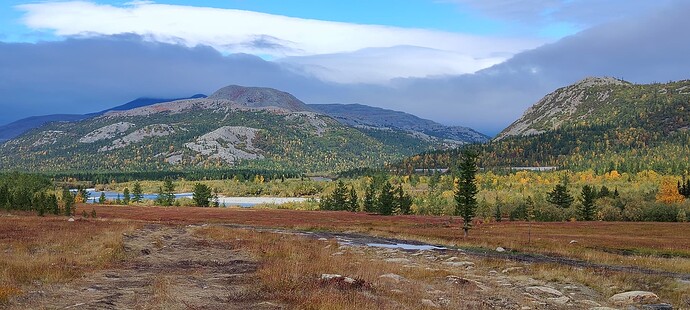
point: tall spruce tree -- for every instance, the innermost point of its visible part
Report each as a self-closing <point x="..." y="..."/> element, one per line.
<point x="560" y="196"/>
<point x="67" y="201"/>
<point x="168" y="192"/>
<point x="125" y="196"/>
<point x="353" y="200"/>
<point x="587" y="209"/>
<point x="202" y="195"/>
<point x="386" y="199"/>
<point x="102" y="198"/>
<point x="403" y="201"/>
<point x="370" y="204"/>
<point x="466" y="191"/>
<point x="137" y="193"/>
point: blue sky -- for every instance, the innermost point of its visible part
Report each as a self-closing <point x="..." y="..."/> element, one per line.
<point x="427" y="14"/>
<point x="478" y="63"/>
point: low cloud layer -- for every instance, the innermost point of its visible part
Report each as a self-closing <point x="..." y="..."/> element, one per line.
<point x="238" y="31"/>
<point x="86" y="75"/>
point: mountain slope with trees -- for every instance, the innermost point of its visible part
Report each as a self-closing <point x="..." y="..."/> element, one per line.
<point x="598" y="123"/>
<point x="236" y="127"/>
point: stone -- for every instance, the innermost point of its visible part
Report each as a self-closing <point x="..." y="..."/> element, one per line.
<point x="542" y="290"/>
<point x="429" y="303"/>
<point x="323" y="239"/>
<point x="657" y="307"/>
<point x="572" y="241"/>
<point x="559" y="300"/>
<point x="500" y="249"/>
<point x="634" y="297"/>
<point x="393" y="277"/>
<point x="590" y="303"/>
<point x="511" y="269"/>
<point x="459" y="264"/>
<point x="397" y="260"/>
<point x="71" y="219"/>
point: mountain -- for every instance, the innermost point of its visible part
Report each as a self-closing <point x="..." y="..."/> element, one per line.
<point x="15" y="129"/>
<point x="583" y="101"/>
<point x="602" y="124"/>
<point x="260" y="97"/>
<point x="238" y="127"/>
<point x="358" y="115"/>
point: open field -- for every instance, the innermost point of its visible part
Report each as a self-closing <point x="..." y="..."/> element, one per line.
<point x="204" y="258"/>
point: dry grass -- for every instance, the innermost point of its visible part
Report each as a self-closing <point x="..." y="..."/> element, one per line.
<point x="52" y="250"/>
<point x="291" y="267"/>
<point x="664" y="246"/>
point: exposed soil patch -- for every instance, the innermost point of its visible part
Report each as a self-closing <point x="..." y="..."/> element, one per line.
<point x="169" y="268"/>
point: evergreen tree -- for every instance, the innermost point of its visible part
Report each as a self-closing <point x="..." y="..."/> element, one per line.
<point x="615" y="193"/>
<point x="4" y="196"/>
<point x="53" y="204"/>
<point x="39" y="202"/>
<point x="587" y="209"/>
<point x="353" y="200"/>
<point x="370" y="203"/>
<point x="201" y="195"/>
<point x="160" y="198"/>
<point x="604" y="192"/>
<point x="403" y="201"/>
<point x="466" y="192"/>
<point x="497" y="213"/>
<point x="137" y="193"/>
<point x="118" y="200"/>
<point x="125" y="196"/>
<point x="168" y="192"/>
<point x="559" y="196"/>
<point x="102" y="198"/>
<point x="386" y="199"/>
<point x="67" y="201"/>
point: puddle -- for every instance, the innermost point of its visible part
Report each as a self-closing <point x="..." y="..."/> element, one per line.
<point x="405" y="246"/>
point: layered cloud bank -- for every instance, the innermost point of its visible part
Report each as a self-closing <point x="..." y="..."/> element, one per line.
<point x="88" y="74"/>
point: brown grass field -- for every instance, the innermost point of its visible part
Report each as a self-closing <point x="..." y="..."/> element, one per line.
<point x="49" y="250"/>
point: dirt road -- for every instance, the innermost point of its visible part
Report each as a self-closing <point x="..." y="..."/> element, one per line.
<point x="169" y="269"/>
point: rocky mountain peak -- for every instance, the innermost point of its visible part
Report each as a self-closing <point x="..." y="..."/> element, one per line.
<point x="599" y="81"/>
<point x="260" y="97"/>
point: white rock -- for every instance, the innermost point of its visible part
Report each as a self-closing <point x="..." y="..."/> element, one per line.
<point x="544" y="290"/>
<point x="329" y="276"/>
<point x="559" y="300"/>
<point x="500" y="249"/>
<point x="394" y="277"/>
<point x="511" y="269"/>
<point x="71" y="219"/>
<point x="323" y="239"/>
<point x="634" y="297"/>
<point x="459" y="264"/>
<point x="572" y="241"/>
<point x="397" y="260"/>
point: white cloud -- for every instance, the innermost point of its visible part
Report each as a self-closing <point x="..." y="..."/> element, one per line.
<point x="237" y="31"/>
<point x="379" y="65"/>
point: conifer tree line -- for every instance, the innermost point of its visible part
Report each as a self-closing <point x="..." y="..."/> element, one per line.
<point x="31" y="192"/>
<point x="379" y="197"/>
<point x="684" y="187"/>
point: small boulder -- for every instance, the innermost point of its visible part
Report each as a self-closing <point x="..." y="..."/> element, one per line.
<point x="572" y="241"/>
<point x="544" y="290"/>
<point x="393" y="277"/>
<point x="459" y="264"/>
<point x="657" y="307"/>
<point x="634" y="297"/>
<point x="511" y="269"/>
<point x="71" y="219"/>
<point x="500" y="249"/>
<point x="397" y="260"/>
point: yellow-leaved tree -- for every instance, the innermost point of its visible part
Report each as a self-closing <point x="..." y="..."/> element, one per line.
<point x="668" y="192"/>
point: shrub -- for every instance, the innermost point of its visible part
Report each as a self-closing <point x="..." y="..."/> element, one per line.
<point x="656" y="212"/>
<point x="610" y="214"/>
